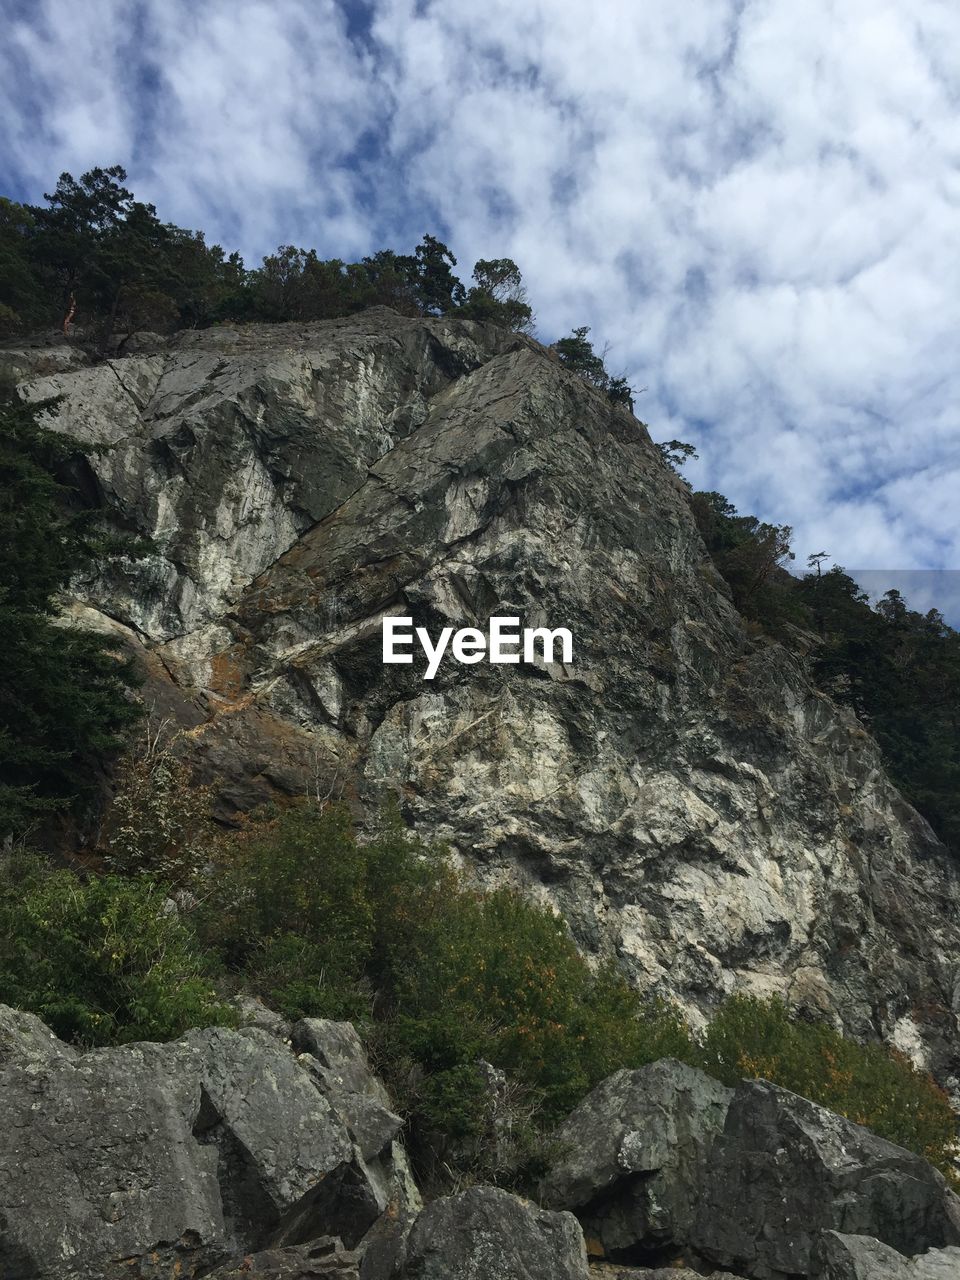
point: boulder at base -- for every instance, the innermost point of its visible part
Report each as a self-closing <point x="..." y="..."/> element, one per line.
<point x="840" y="1257"/>
<point x="153" y="1160"/>
<point x="489" y="1234"/>
<point x="634" y="1155"/>
<point x="785" y="1169"/>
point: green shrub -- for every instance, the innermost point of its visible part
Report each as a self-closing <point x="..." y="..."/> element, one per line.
<point x="158" y="822"/>
<point x="868" y="1083"/>
<point x="498" y="978"/>
<point x="290" y="909"/>
<point x="101" y="960"/>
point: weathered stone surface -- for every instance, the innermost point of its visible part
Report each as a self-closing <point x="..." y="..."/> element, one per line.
<point x="332" y="1052"/>
<point x="847" y="1257"/>
<point x="681" y="792"/>
<point x="322" y="1259"/>
<point x="784" y="1170"/>
<point x="154" y="1160"/>
<point x="635" y="1153"/>
<point x="488" y="1234"/>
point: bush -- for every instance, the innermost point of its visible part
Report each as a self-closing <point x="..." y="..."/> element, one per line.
<point x="291" y="911"/>
<point x="443" y="978"/>
<point x="866" y="1083"/>
<point x="158" y="823"/>
<point x="497" y="978"/>
<point x="101" y="960"/>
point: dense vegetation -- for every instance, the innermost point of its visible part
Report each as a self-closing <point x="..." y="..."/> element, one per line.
<point x="98" y="261"/>
<point x="64" y="695"/>
<point x="897" y="668"/>
<point x="441" y="978"/>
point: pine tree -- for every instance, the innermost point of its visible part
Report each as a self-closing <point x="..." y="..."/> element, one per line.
<point x="64" y="695"/>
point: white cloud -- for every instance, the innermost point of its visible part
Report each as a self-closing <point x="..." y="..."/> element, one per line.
<point x="755" y="202"/>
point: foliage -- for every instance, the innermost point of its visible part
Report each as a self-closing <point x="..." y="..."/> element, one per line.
<point x="899" y="669"/>
<point x="102" y="264"/>
<point x="157" y="823"/>
<point x="64" y="695"/>
<point x="316" y="922"/>
<point x="498" y="295"/>
<point x="101" y="960"/>
<point x="676" y="453"/>
<point x="751" y="555"/>
<point x="868" y="1084"/>
<point x="291" y="911"/>
<point x="577" y="354"/>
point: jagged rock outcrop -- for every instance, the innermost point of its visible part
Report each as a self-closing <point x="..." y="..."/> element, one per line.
<point x="634" y="1156"/>
<point x="489" y="1234"/>
<point x="846" y="1257"/>
<point x="784" y="1170"/>
<point x="681" y="792"/>
<point x="156" y="1160"/>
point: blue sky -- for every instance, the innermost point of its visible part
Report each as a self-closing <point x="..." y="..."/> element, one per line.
<point x="755" y="203"/>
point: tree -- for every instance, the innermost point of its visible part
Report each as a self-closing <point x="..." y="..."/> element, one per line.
<point x="64" y="695"/>
<point x="676" y="452"/>
<point x="20" y="292"/>
<point x="437" y="289"/>
<point x="498" y="295"/>
<point x="577" y="354"/>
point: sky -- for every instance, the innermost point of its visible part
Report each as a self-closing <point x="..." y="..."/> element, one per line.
<point x="753" y="203"/>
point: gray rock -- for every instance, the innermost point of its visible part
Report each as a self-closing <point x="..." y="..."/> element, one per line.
<point x="681" y="792"/>
<point x="321" y="1259"/>
<point x="847" y="1257"/>
<point x="25" y="1040"/>
<point x="254" y="1013"/>
<point x="334" y="1056"/>
<point x="635" y="1153"/>
<point x="784" y="1170"/>
<point x="336" y="1059"/>
<point x="151" y="1159"/>
<point x="488" y="1234"/>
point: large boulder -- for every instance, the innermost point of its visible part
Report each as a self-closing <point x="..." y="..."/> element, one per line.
<point x="841" y="1257"/>
<point x="158" y="1160"/>
<point x="333" y="1053"/>
<point x="785" y="1169"/>
<point x="634" y="1153"/>
<point x="488" y="1234"/>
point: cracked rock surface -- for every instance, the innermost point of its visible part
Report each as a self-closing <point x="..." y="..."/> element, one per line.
<point x="680" y="791"/>
<point x="161" y="1160"/>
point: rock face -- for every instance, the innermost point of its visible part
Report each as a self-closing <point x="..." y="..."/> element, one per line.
<point x="784" y="1170"/>
<point x="159" y="1160"/>
<point x="680" y="790"/>
<point x="488" y="1234"/>
<point x="636" y="1152"/>
<point x="839" y="1257"/>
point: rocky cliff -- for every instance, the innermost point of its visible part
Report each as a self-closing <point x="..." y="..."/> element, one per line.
<point x="681" y="791"/>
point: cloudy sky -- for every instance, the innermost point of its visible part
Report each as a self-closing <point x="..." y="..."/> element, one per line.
<point x="756" y="203"/>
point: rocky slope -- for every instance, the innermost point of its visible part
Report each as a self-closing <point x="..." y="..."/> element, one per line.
<point x="680" y="790"/>
<point x="271" y="1152"/>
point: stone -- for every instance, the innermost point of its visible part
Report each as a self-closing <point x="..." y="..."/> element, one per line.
<point x="785" y="1169"/>
<point x="634" y="1156"/>
<point x="488" y="1234"/>
<point x="848" y="1257"/>
<point x="321" y="1259"/>
<point x="334" y="1055"/>
<point x="152" y="1160"/>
